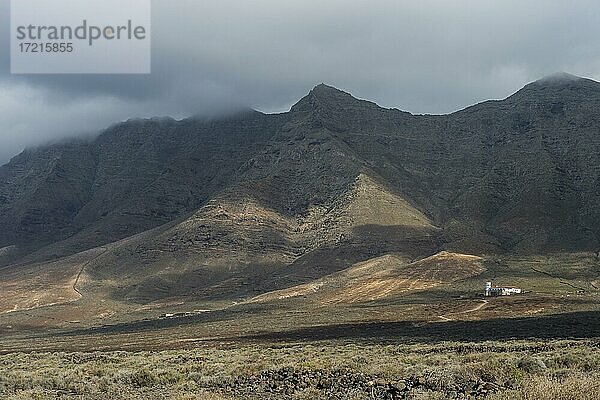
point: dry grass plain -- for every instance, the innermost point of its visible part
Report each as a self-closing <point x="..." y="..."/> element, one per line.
<point x="538" y="370"/>
<point x="435" y="339"/>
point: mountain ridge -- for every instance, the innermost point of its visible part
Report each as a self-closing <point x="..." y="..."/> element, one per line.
<point x="455" y="168"/>
<point x="358" y="202"/>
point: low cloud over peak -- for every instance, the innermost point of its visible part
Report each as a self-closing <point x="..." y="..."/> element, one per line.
<point x="211" y="56"/>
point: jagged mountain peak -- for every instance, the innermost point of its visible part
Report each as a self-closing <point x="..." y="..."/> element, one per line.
<point x="324" y="94"/>
<point x="325" y="97"/>
<point x="323" y="89"/>
<point x="558" y="78"/>
<point x="559" y="87"/>
<point x="561" y="81"/>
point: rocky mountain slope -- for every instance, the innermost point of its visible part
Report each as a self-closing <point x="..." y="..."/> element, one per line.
<point x="135" y="176"/>
<point x="251" y="203"/>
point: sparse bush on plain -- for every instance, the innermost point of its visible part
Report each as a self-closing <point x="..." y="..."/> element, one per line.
<point x="524" y="370"/>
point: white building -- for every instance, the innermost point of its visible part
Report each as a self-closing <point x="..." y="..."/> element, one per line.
<point x="491" y="290"/>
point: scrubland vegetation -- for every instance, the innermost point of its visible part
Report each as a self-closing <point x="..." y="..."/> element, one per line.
<point x="495" y="370"/>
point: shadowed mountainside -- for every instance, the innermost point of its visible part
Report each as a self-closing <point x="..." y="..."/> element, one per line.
<point x="237" y="206"/>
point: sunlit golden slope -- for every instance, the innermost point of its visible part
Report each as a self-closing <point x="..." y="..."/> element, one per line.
<point x="383" y="277"/>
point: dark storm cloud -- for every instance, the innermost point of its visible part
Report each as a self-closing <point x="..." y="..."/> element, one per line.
<point x="424" y="57"/>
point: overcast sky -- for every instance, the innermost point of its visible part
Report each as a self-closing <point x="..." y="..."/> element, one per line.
<point x="420" y="56"/>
